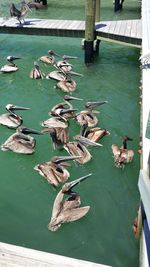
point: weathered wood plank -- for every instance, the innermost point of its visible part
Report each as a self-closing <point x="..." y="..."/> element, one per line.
<point x="116" y="30"/>
<point x="11" y="255"/>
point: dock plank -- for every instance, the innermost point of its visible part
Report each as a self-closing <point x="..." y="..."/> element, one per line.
<point x="11" y="255"/>
<point x="128" y="31"/>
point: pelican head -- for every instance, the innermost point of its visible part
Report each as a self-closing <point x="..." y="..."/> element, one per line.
<point x="12" y="58"/>
<point x="68" y="98"/>
<point x="52" y="53"/>
<point x="127" y="138"/>
<point x="27" y="131"/>
<point x="11" y="108"/>
<point x="92" y="105"/>
<point x="66" y="189"/>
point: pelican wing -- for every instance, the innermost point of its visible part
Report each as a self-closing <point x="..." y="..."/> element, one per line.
<point x="67" y="86"/>
<point x="52" y="173"/>
<point x="76" y="149"/>
<point x="87" y="116"/>
<point x="68" y="216"/>
<point x="8" y="68"/>
<point x="10" y="121"/>
<point x="19" y="144"/>
<point x="47" y="59"/>
<point x="54" y="123"/>
<point x="116" y="150"/>
<point x="130" y="155"/>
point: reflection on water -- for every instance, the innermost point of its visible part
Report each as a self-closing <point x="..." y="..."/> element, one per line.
<point x="26" y="199"/>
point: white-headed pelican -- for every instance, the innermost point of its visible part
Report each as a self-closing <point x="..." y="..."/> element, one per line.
<point x="11" y="119"/>
<point x="21" y="141"/>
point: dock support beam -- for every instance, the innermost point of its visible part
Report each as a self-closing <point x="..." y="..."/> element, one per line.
<point x="90" y="8"/>
<point x="97" y="14"/>
<point x="118" y="4"/>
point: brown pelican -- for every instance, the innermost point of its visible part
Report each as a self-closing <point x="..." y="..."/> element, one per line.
<point x="78" y="148"/>
<point x="37" y="4"/>
<point x="55" y="122"/>
<point x="19" y="14"/>
<point x="122" y="155"/>
<point x="36" y="73"/>
<point x="21" y="142"/>
<point x="12" y="67"/>
<point x="67" y="210"/>
<point x="58" y="109"/>
<point x="94" y="134"/>
<point x="11" y="119"/>
<point x="68" y="85"/>
<point x="59" y="135"/>
<point x="65" y="81"/>
<point x="50" y="58"/>
<point x="88" y="114"/>
<point x="54" y="171"/>
<point x="60" y="75"/>
<point x="63" y="64"/>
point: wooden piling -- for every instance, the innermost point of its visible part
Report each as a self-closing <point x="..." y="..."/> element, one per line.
<point x="118" y="4"/>
<point x="90" y="9"/>
<point x="97" y="12"/>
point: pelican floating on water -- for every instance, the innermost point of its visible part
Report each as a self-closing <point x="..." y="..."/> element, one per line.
<point x="88" y="114"/>
<point x="65" y="81"/>
<point x="59" y="135"/>
<point x="50" y="58"/>
<point x="57" y="127"/>
<point x="67" y="210"/>
<point x="59" y="109"/>
<point x="63" y="64"/>
<point x="54" y="171"/>
<point x="55" y="122"/>
<point x="78" y="148"/>
<point x="36" y="73"/>
<point x="12" y="67"/>
<point x="94" y="134"/>
<point x="122" y="155"/>
<point x="21" y="141"/>
<point x="11" y="119"/>
<point x="19" y="14"/>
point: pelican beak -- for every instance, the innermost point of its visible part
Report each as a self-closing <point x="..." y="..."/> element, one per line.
<point x="69" y="186"/>
<point x="68" y="57"/>
<point x="19" y="108"/>
<point x="85" y="141"/>
<point x="68" y="111"/>
<point x="75" y="73"/>
<point x="68" y="97"/>
<point x="62" y="159"/>
<point x="30" y="131"/>
<point x="92" y="105"/>
<point x="47" y="130"/>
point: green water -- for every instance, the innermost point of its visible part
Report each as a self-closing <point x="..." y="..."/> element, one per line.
<point x="26" y="199"/>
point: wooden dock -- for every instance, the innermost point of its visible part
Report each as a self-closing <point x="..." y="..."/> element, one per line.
<point x="124" y="31"/>
<point x="11" y="255"/>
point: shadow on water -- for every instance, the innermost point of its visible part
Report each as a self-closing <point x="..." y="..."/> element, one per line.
<point x="26" y="199"/>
